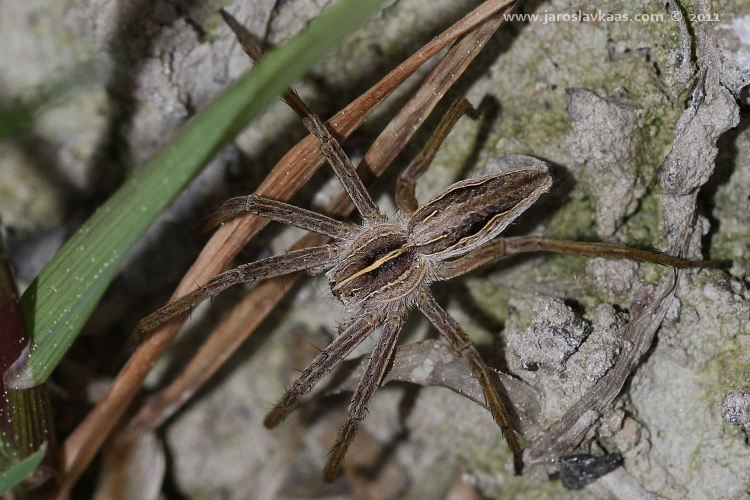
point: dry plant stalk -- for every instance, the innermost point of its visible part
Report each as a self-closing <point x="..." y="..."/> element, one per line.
<point x="285" y="179"/>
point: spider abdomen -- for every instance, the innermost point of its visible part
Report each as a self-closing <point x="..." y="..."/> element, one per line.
<point x="471" y="212"/>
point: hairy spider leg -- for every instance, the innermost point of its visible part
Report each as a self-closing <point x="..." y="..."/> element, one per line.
<point x="351" y="334"/>
<point x="406" y="200"/>
<point x="329" y="146"/>
<point x="460" y="341"/>
<point x="274" y="210"/>
<point x="502" y="247"/>
<point x="377" y="367"/>
<point x="298" y="260"/>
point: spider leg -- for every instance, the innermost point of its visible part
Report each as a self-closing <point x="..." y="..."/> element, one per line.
<point x="405" y="198"/>
<point x="329" y="146"/>
<point x="276" y="211"/>
<point x="502" y="247"/>
<point x="342" y="165"/>
<point x="457" y="337"/>
<point x="298" y="260"/>
<point x="350" y="336"/>
<point x="377" y="367"/>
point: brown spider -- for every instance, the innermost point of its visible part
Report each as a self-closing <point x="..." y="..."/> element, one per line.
<point x="384" y="267"/>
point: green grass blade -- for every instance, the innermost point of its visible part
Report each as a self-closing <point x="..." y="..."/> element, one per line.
<point x="61" y="298"/>
<point x="20" y="471"/>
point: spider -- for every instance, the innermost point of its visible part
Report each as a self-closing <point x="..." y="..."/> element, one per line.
<point x="383" y="267"/>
